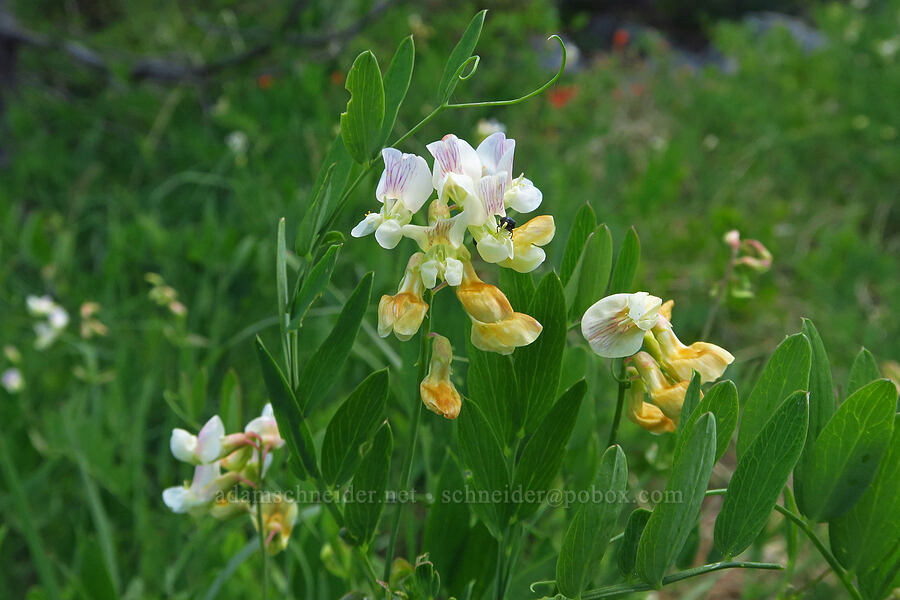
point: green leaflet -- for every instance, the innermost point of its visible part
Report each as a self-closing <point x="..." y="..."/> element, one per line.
<point x="691" y="400"/>
<point x="722" y="401"/>
<point x="539" y="364"/>
<point x="361" y="124"/>
<point x="628" y="547"/>
<point x="481" y="453"/>
<point x="760" y="476"/>
<point x="351" y="426"/>
<point x="492" y="386"/>
<point x="459" y="56"/>
<point x="363" y="511"/>
<point x="588" y="534"/>
<point x="863" y="370"/>
<point x="396" y="84"/>
<point x="585" y="223"/>
<point x="868" y="535"/>
<point x="786" y="372"/>
<point x="313" y="285"/>
<point x="671" y="522"/>
<point x="821" y="405"/>
<point x="846" y="454"/>
<point x="324" y="366"/>
<point x="626" y="263"/>
<point x="591" y="274"/>
<point x="291" y="422"/>
<point x="543" y="454"/>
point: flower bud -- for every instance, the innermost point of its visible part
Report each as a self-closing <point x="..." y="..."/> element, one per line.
<point x="669" y="398"/>
<point x="278" y="519"/>
<point x="438" y="393"/>
<point x="404" y="312"/>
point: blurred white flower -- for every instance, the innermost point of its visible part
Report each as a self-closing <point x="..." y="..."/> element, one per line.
<point x="199" y="449"/>
<point x="237" y="142"/>
<point x="486" y="127"/>
<point x="12" y="380"/>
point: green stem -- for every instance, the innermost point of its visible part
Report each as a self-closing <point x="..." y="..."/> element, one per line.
<point x="620" y="402"/>
<point x="842" y="574"/>
<point x="406" y="472"/>
<point x="498" y="573"/>
<point x="626" y="588"/>
<point x="260" y="529"/>
<point x="363" y="559"/>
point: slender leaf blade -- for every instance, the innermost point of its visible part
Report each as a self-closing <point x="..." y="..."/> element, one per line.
<point x="863" y="370"/>
<point x="671" y="522"/>
<point x="361" y="516"/>
<point x="626" y="263"/>
<point x="538" y="365"/>
<point x="628" y="548"/>
<point x="460" y="55"/>
<point x="588" y="534"/>
<point x="847" y="452"/>
<point x="352" y="425"/>
<point x="482" y="455"/>
<point x="722" y="401"/>
<point x="761" y="475"/>
<point x="324" y="366"/>
<point x="361" y="123"/>
<point x="396" y="84"/>
<point x="313" y="285"/>
<point x="492" y="386"/>
<point x="543" y="454"/>
<point x="584" y="224"/>
<point x="821" y="406"/>
<point x="593" y="271"/>
<point x="786" y="372"/>
<point x="869" y="533"/>
<point x="288" y="414"/>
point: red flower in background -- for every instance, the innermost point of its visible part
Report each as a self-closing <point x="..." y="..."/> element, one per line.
<point x="265" y="81"/>
<point x="562" y="95"/>
<point x="620" y="39"/>
<point x="337" y="77"/>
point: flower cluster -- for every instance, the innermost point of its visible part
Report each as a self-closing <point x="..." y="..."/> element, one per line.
<point x="475" y="192"/>
<point x="55" y="320"/>
<point x="222" y="462"/>
<point x="639" y="326"/>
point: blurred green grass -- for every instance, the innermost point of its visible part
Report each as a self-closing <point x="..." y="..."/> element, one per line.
<point x="108" y="180"/>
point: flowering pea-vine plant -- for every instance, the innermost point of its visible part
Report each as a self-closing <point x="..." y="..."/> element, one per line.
<point x="488" y="499"/>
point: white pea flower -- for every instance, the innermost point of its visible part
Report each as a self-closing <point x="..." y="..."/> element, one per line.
<point x="615" y="325"/>
<point x="208" y="482"/>
<point x="266" y="429"/>
<point x="442" y="242"/>
<point x="402" y="190"/>
<point x="39" y="306"/>
<point x="12" y="380"/>
<point x="203" y="448"/>
<point x="58" y="317"/>
<point x="496" y="153"/>
<point x="456" y="167"/>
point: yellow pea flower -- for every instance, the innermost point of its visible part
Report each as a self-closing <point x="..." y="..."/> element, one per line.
<point x="527" y="240"/>
<point x="404" y="312"/>
<point x="680" y="361"/>
<point x="438" y="393"/>
<point x="505" y="336"/>
<point x="278" y="518"/>
<point x="482" y="301"/>
<point x="665" y="395"/>
<point x="642" y="413"/>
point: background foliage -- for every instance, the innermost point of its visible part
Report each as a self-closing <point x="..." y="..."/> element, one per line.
<point x="107" y="178"/>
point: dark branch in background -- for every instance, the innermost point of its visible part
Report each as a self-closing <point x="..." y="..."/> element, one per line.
<point x="162" y="69"/>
